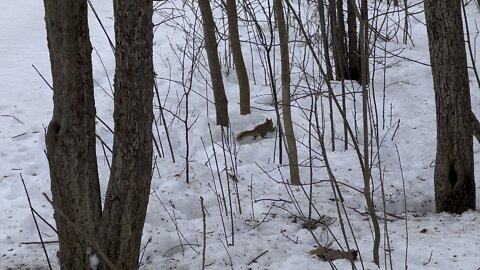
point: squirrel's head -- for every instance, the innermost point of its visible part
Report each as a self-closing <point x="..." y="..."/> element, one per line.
<point x="269" y="122"/>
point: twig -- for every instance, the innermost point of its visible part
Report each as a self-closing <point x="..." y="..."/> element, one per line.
<point x="273" y="200"/>
<point x="228" y="253"/>
<point x="218" y="170"/>
<point x="174" y="220"/>
<point x="13" y="116"/>
<point x="41" y="76"/>
<point x="219" y="198"/>
<point x="145" y="248"/>
<point x="404" y="205"/>
<point x="46" y="222"/>
<point x="36" y="223"/>
<point x="156" y="145"/>
<point x="228" y="188"/>
<point x="288" y="237"/>
<point x="101" y="24"/>
<point x="264" y="217"/>
<point x="174" y="247"/>
<point x="256" y="258"/>
<point x="105" y="124"/>
<point x="105" y="153"/>
<point x="204" y="233"/>
<point x="251" y="196"/>
<point x="106" y="75"/>
<point x="163" y="120"/>
<point x="40" y="243"/>
<point x="104" y="143"/>
<point x="19" y="135"/>
<point x="429" y="259"/>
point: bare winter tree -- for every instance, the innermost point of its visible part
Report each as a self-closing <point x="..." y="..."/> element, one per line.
<point x="325" y="41"/>
<point x="221" y="102"/>
<point x="345" y="43"/>
<point x="240" y="68"/>
<point x="83" y="229"/>
<point x="337" y="26"/>
<point x="454" y="174"/>
<point x="364" y="78"/>
<point x="129" y="185"/>
<point x="353" y="70"/>
<point x="70" y="138"/>
<point x="286" y="103"/>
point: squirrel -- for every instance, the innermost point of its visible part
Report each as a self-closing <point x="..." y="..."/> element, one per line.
<point x="260" y="130"/>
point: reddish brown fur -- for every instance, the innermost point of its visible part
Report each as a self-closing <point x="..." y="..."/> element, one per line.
<point x="260" y="130"/>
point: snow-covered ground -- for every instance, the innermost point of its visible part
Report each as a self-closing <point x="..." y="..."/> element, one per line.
<point x="267" y="233"/>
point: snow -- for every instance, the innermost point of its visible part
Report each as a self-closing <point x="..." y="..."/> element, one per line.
<point x="266" y="234"/>
<point x="94" y="261"/>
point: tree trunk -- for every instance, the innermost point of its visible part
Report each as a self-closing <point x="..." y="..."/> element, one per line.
<point x="286" y="105"/>
<point x="341" y="41"/>
<point x="454" y="173"/>
<point x="240" y="68"/>
<point x="221" y="102"/>
<point x="353" y="53"/>
<point x="70" y="138"/>
<point x="335" y="40"/>
<point x="324" y="35"/>
<point x="129" y="185"/>
<point x="367" y="191"/>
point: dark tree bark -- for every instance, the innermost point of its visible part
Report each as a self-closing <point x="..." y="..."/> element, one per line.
<point x="337" y="50"/>
<point x="454" y="173"/>
<point x="347" y="62"/>
<point x="240" y="68"/>
<point x="129" y="185"/>
<point x="353" y="71"/>
<point x="324" y="35"/>
<point x="70" y="138"/>
<point x="114" y="236"/>
<point x="286" y="103"/>
<point x="221" y="102"/>
<point x="341" y="41"/>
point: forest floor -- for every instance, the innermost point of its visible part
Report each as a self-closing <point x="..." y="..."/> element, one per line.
<point x="265" y="223"/>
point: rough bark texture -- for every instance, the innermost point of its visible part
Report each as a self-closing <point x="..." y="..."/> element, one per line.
<point x="221" y="102"/>
<point x="70" y="138"/>
<point x="286" y="105"/>
<point x="129" y="185"/>
<point x="454" y="175"/>
<point x="336" y="49"/>
<point x="240" y="68"/>
<point x="353" y="53"/>
<point x="347" y="62"/>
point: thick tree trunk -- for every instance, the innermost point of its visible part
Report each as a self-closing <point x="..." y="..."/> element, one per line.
<point x="70" y="138"/>
<point x="286" y="104"/>
<point x="240" y="68"/>
<point x="221" y="102"/>
<point x="454" y="174"/>
<point x="353" y="51"/>
<point x="129" y="185"/>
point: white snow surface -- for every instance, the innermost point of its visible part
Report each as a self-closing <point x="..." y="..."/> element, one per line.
<point x="269" y="221"/>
